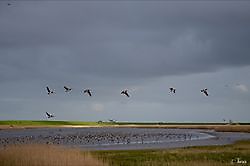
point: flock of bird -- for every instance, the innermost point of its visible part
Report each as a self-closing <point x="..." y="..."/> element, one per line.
<point x="85" y="137"/>
<point x="67" y="89"/>
<point x="123" y="92"/>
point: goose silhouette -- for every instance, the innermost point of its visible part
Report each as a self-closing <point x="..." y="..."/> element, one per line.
<point x="125" y="92"/>
<point x="88" y="91"/>
<point x="204" y="91"/>
<point x="172" y="90"/>
<point x="49" y="115"/>
<point x="49" y="91"/>
<point x="67" y="89"/>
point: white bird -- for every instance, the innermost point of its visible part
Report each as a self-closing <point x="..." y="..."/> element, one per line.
<point x="112" y="120"/>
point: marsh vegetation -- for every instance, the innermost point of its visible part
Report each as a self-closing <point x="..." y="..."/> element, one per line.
<point x="46" y="155"/>
<point x="50" y="155"/>
<point x="191" y="156"/>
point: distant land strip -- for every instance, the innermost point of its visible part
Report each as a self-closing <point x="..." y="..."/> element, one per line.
<point x="223" y="127"/>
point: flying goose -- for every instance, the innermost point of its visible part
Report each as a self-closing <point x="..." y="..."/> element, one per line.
<point x="172" y="90"/>
<point x="204" y="91"/>
<point x="49" y="115"/>
<point x="67" y="89"/>
<point x="88" y="91"/>
<point x="125" y="92"/>
<point x="49" y="91"/>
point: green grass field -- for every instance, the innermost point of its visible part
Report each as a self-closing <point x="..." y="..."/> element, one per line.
<point x="45" y="123"/>
<point x="204" y="155"/>
<point x="195" y="156"/>
<point x="239" y="127"/>
<point x="53" y="122"/>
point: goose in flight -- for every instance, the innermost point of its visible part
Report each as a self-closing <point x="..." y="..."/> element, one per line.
<point x="49" y="91"/>
<point x="49" y="115"/>
<point x="67" y="89"/>
<point x="172" y="90"/>
<point x="88" y="91"/>
<point x="204" y="91"/>
<point x="125" y="92"/>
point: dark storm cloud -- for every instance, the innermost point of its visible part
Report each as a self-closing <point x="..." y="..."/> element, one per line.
<point x="53" y="39"/>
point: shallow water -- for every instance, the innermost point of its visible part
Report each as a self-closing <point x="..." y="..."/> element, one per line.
<point x="109" y="138"/>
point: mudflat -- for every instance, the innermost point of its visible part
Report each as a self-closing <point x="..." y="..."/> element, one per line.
<point x="118" y="138"/>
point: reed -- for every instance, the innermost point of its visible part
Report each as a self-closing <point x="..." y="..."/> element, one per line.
<point x="46" y="155"/>
<point x="189" y="156"/>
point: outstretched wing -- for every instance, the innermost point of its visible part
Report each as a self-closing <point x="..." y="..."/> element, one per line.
<point x="66" y="88"/>
<point x="89" y="93"/>
<point x="48" y="89"/>
<point x="48" y="114"/>
<point x="127" y="94"/>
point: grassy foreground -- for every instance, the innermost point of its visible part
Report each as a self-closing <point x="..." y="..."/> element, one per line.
<point x="49" y="155"/>
<point x="46" y="155"/>
<point x="192" y="156"/>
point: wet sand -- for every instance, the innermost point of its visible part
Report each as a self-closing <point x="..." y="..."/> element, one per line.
<point x="115" y="138"/>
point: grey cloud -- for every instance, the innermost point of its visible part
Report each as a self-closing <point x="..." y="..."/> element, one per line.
<point x="108" y="46"/>
<point x="126" y="39"/>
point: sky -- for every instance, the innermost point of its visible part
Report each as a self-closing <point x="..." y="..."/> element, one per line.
<point x="145" y="47"/>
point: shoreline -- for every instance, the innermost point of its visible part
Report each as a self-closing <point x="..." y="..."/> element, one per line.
<point x="119" y="137"/>
<point x="218" y="128"/>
